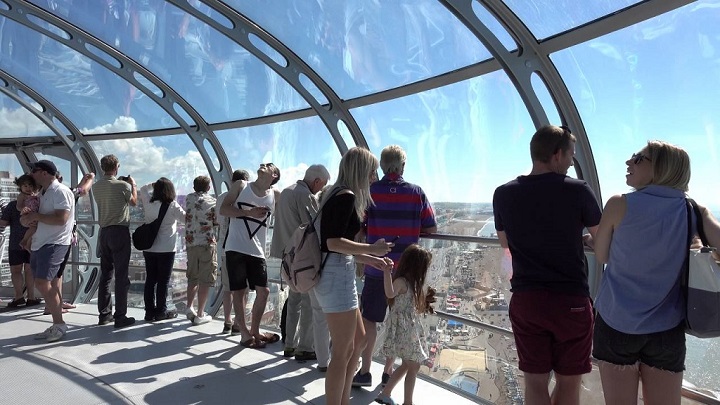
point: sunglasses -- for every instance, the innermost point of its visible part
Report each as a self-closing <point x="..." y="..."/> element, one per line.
<point x="267" y="165"/>
<point x="637" y="158"/>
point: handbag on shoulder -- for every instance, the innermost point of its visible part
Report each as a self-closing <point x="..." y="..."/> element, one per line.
<point x="144" y="236"/>
<point x="701" y="284"/>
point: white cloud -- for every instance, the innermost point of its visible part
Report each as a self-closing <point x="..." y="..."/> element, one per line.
<point x="146" y="162"/>
<point x="121" y="124"/>
<point x="21" y="122"/>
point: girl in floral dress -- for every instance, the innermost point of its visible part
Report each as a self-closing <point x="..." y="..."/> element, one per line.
<point x="407" y="299"/>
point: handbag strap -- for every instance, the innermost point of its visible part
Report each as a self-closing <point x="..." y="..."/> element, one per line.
<point x="699" y="222"/>
<point x="163" y="210"/>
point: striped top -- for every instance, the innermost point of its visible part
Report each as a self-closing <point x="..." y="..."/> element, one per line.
<point x="112" y="197"/>
<point x="401" y="209"/>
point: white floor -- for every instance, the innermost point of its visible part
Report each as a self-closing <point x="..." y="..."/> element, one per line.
<point x="170" y="362"/>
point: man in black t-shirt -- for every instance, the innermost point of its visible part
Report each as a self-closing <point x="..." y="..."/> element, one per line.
<point x="540" y="218"/>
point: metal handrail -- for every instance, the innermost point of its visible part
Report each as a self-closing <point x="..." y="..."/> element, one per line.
<point x="687" y="392"/>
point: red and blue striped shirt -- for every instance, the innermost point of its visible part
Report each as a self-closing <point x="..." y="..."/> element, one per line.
<point x="401" y="209"/>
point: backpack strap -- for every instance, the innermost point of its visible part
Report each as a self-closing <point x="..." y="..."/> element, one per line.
<point x="312" y="223"/>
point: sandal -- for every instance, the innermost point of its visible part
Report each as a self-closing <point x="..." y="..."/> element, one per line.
<point x="253" y="344"/>
<point x="67" y="305"/>
<point x="268" y="337"/>
<point x="16" y="303"/>
<point x="32" y="302"/>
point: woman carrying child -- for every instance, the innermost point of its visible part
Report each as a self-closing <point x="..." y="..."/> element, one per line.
<point x="403" y="334"/>
<point x="18" y="256"/>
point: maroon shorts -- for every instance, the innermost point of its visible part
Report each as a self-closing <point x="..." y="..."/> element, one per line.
<point x="553" y="332"/>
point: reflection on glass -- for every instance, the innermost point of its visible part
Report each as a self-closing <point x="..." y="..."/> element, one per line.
<point x="292" y="146"/>
<point x="221" y="79"/>
<point x="364" y="46"/>
<point x="494" y="26"/>
<point x="462" y="140"/>
<point x="90" y="95"/>
<point x="546" y="18"/>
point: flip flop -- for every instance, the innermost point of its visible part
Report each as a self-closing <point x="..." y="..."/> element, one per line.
<point x="268" y="337"/>
<point x="253" y="344"/>
<point x="67" y="305"/>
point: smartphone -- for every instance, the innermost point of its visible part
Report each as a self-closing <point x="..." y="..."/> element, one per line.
<point x="393" y="240"/>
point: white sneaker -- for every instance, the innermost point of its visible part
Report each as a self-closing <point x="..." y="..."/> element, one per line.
<point x="44" y="334"/>
<point x="201" y="319"/>
<point x="190" y="314"/>
<point x="57" y="332"/>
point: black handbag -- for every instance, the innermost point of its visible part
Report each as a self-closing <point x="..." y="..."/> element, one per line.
<point x="144" y="236"/>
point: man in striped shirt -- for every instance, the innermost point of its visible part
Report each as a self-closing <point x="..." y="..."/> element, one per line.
<point x="401" y="213"/>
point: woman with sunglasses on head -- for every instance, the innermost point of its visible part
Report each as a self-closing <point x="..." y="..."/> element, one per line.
<point x="343" y="207"/>
<point x="639" y="328"/>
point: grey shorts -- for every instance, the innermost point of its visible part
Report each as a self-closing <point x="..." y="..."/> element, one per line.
<point x="46" y="261"/>
<point x="335" y="292"/>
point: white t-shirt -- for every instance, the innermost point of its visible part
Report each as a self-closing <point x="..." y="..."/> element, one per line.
<point x="248" y="235"/>
<point x="57" y="196"/>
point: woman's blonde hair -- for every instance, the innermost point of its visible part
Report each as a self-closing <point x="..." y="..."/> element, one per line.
<point x="670" y="165"/>
<point x="354" y="173"/>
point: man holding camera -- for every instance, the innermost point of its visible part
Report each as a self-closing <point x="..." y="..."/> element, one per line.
<point x="114" y="197"/>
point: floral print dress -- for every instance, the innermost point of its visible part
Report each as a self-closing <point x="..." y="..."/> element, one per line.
<point x="403" y="332"/>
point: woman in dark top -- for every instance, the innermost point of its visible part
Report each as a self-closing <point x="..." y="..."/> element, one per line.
<point x="18" y="257"/>
<point x="340" y="221"/>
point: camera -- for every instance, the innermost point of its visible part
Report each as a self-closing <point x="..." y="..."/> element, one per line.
<point x="126" y="179"/>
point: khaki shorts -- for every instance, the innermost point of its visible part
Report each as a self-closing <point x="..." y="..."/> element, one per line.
<point x="202" y="264"/>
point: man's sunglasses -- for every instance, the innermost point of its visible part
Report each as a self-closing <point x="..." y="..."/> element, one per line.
<point x="638" y="157"/>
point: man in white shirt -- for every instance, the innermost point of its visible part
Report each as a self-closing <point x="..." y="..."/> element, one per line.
<point x="51" y="241"/>
<point x="223" y="226"/>
<point x="249" y="206"/>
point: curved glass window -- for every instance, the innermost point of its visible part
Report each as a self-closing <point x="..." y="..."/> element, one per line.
<point x="291" y="145"/>
<point x="11" y="165"/>
<point x="218" y="77"/>
<point x="631" y="87"/>
<point x="364" y="46"/>
<point x="462" y="140"/>
<point x="87" y="93"/>
<point x="17" y="121"/>
<point x="655" y="80"/>
<point x="147" y="159"/>
<point x="546" y="18"/>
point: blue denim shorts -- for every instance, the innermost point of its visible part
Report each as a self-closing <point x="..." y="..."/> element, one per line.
<point x="46" y="261"/>
<point x="663" y="350"/>
<point x="335" y="292"/>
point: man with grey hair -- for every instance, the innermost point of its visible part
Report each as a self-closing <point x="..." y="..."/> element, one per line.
<point x="400" y="214"/>
<point x="297" y="203"/>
